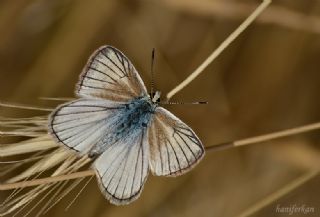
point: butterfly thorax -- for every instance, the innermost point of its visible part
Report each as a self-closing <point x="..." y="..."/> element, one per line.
<point x="137" y="115"/>
<point x="133" y="118"/>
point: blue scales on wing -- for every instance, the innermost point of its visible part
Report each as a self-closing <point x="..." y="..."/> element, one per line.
<point x="81" y="124"/>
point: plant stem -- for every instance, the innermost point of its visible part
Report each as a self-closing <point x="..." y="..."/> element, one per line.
<point x="265" y="137"/>
<point x="46" y="180"/>
<point x="221" y="48"/>
<point x="247" y="141"/>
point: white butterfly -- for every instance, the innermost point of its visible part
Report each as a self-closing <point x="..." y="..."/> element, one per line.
<point x="123" y="128"/>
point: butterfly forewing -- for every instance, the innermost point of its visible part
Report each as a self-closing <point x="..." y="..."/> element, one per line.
<point x="174" y="147"/>
<point x="122" y="169"/>
<point x="82" y="123"/>
<point x="110" y="75"/>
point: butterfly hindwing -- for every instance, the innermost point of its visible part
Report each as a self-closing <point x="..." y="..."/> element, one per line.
<point x="123" y="168"/>
<point x="82" y="123"/>
<point x="110" y="75"/>
<point x="174" y="147"/>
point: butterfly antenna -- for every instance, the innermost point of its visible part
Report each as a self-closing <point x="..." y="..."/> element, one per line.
<point x="152" y="73"/>
<point x="183" y="103"/>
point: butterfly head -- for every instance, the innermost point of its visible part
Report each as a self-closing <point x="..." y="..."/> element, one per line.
<point x="155" y="97"/>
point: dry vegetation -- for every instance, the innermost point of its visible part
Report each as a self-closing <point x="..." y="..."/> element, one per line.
<point x="266" y="81"/>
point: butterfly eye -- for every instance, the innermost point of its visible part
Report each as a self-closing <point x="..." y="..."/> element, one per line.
<point x="152" y="97"/>
<point x="155" y="97"/>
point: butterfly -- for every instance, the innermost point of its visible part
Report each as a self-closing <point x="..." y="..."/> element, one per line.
<point x="122" y="128"/>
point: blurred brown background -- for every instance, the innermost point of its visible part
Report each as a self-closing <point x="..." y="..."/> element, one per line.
<point x="267" y="80"/>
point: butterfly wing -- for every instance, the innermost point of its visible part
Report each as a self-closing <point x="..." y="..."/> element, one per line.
<point x="82" y="123"/>
<point x="110" y="75"/>
<point x="174" y="147"/>
<point x="123" y="168"/>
